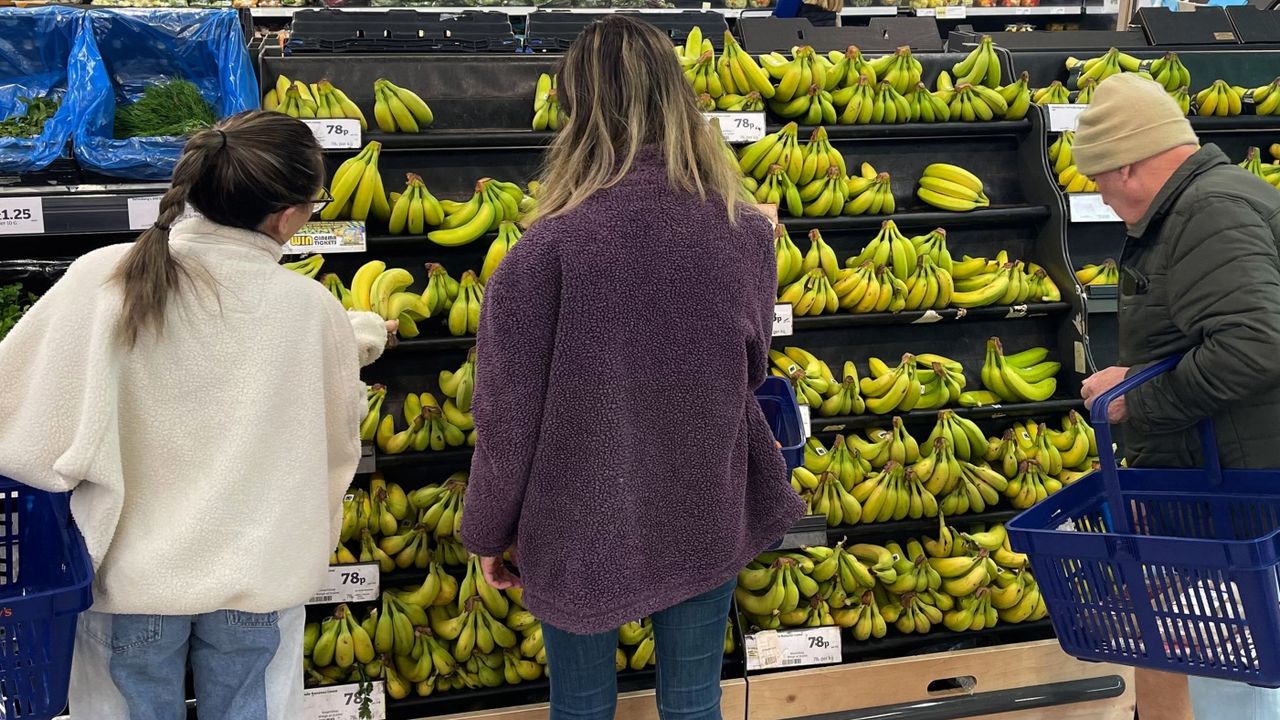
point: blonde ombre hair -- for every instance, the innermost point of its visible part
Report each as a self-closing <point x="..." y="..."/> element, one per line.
<point x="623" y="88"/>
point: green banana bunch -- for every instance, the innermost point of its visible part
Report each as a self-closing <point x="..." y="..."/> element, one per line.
<point x="357" y="189"/>
<point x="740" y="74"/>
<point x="900" y="70"/>
<point x="308" y="266"/>
<point x="833" y="501"/>
<point x="934" y="246"/>
<point x="414" y="209"/>
<point x="1017" y="97"/>
<point x="440" y="507"/>
<point x="1055" y="94"/>
<point x="337" y="288"/>
<point x="1169" y="71"/>
<point x="889" y="105"/>
<point x="845" y="400"/>
<point x="1102" y="67"/>
<point x="508" y="234"/>
<point x="845" y="69"/>
<point x="972" y="103"/>
<point x="825" y="196"/>
<point x="296" y="100"/>
<point x="1182" y="96"/>
<point x="926" y="106"/>
<point x="459" y="385"/>
<point x="800" y="74"/>
<point x="701" y="73"/>
<point x="464" y="316"/>
<point x="981" y="66"/>
<point x="318" y="100"/>
<point x="547" y="114"/>
<point x="781" y="148"/>
<point x="789" y="259"/>
<point x="778" y="189"/>
<point x="1266" y="99"/>
<point x="890" y="248"/>
<point x="1086" y="92"/>
<point x="869" y="193"/>
<point x="1016" y="382"/>
<point x="952" y="188"/>
<point x="464" y="222"/>
<point x="895" y="493"/>
<point x="377" y="394"/>
<point x="810" y="378"/>
<point x="399" y="110"/>
<point x="858" y="101"/>
<point x="751" y="102"/>
<point x="442" y="290"/>
<point x="1030" y="485"/>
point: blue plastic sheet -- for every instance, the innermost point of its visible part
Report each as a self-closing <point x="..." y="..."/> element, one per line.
<point x="129" y="49"/>
<point x="35" y="46"/>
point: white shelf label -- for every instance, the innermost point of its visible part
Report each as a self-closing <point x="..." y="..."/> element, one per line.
<point x="21" y="216"/>
<point x="342" y="702"/>
<point x="348" y="584"/>
<point x="773" y="649"/>
<point x="339" y="236"/>
<point x="783" y="321"/>
<point x="951" y="12"/>
<point x="806" y="421"/>
<point x="1088" y="207"/>
<point x="339" y="134"/>
<point x="143" y="211"/>
<point x="1063" y="117"/>
<point x="739" y="127"/>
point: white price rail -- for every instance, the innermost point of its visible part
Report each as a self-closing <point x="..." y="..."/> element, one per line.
<point x="339" y="134"/>
<point x="343" y="702"/>
<point x="348" y="584"/>
<point x="772" y="649"/>
<point x="21" y="216"/>
<point x="1088" y="207"/>
<point x="739" y="127"/>
<point x="339" y="236"/>
<point x="783" y="320"/>
<point x="1063" y="117"/>
<point x="143" y="211"/>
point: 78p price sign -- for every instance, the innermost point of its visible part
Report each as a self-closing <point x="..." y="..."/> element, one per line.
<point x="738" y="127"/>
<point x="336" y="133"/>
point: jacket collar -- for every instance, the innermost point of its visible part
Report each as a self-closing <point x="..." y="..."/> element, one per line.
<point x="202" y="231"/>
<point x="1208" y="156"/>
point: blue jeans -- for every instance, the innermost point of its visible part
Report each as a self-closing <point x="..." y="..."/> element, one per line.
<point x="1212" y="699"/>
<point x="245" y="666"/>
<point x="690" y="651"/>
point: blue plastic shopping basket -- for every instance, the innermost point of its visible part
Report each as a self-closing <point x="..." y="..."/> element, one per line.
<point x="778" y="401"/>
<point x="1172" y="570"/>
<point x="45" y="574"/>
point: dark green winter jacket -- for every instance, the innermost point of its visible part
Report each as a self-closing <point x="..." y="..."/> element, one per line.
<point x="1201" y="276"/>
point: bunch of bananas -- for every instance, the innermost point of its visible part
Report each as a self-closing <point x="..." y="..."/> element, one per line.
<point x="1067" y="454"/>
<point x="828" y="496"/>
<point x="1069" y="177"/>
<point x="751" y="102"/>
<point x="1102" y="67"/>
<point x="962" y="436"/>
<point x="1017" y="97"/>
<point x="926" y="106"/>
<point x="1182" y="97"/>
<point x="971" y="103"/>
<point x="459" y="389"/>
<point x="357" y="189"/>
<point x="339" y="640"/>
<point x="900" y="70"/>
<point x="464" y="314"/>
<point x="797" y="76"/>
<point x="934" y="246"/>
<point x="638" y="637"/>
<point x="442" y="290"/>
<point x="844" y="70"/>
<point x="1266" y="99"/>
<point x="895" y="493"/>
<point x="810" y="377"/>
<point x="1220" y="99"/>
<point x="952" y="188"/>
<point x="889" y="248"/>
<point x="464" y="222"/>
<point x="1030" y="485"/>
<point x="777" y="188"/>
<point x="846" y="394"/>
<point x="382" y="290"/>
<point x="306" y="267"/>
<point x="1055" y="93"/>
<point x="740" y="75"/>
<point x="427" y="427"/>
<point x="981" y="282"/>
<point x="819" y="158"/>
<point x="981" y="66"/>
<point x="790" y="261"/>
<point x="843" y="459"/>
<point x="508" y="233"/>
<point x="1022" y="377"/>
<point x="892" y="389"/>
<point x="825" y="196"/>
<point x="376" y="396"/>
<point x="960" y="486"/>
<point x="1267" y="171"/>
<point x="781" y="148"/>
<point x="869" y="193"/>
<point x="1105" y="274"/>
<point x="399" y="110"/>
<point x="318" y="100"/>
<point x="440" y="507"/>
<point x="1086" y="93"/>
<point x="414" y="209"/>
<point x="1169" y="71"/>
<point x="547" y="114"/>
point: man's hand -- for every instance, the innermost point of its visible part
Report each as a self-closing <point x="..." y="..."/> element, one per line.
<point x="497" y="574"/>
<point x="1100" y="382"/>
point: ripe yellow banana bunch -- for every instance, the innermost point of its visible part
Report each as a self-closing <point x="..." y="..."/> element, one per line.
<point x="781" y="148"/>
<point x="934" y="246"/>
<point x="1086" y="92"/>
<point x="1054" y="94"/>
<point x="890" y="106"/>
<point x="973" y="103"/>
<point x="774" y="583"/>
<point x="306" y="267"/>
<point x="1030" y="605"/>
<point x="547" y="114"/>
<point x="1022" y="377"/>
<point x="778" y="189"/>
<point x="464" y="316"/>
<point x="801" y="73"/>
<point x="942" y="380"/>
<point x="1077" y="445"/>
<point x="389" y="297"/>
<point x="1267" y="171"/>
<point x="751" y="102"/>
<point x="1060" y="157"/>
<point x="869" y="193"/>
<point x="442" y="290"/>
<point x="926" y="106"/>
<point x="977" y="488"/>
<point x="1104" y="66"/>
<point x="1030" y="485"/>
<point x="740" y="74"/>
<point x="981" y="66"/>
<point x="357" y="189"/>
<point x="1169" y="71"/>
<point x="965" y="440"/>
<point x="929" y="287"/>
<point x="825" y="196"/>
<point x="811" y="295"/>
<point x="952" y="188"/>
<point x="895" y="493"/>
<point x="702" y="75"/>
<point x="789" y="258"/>
<point x="1105" y="274"/>
<point x="843" y="459"/>
<point x="831" y="499"/>
<point x="1071" y="180"/>
<point x="912" y="612"/>
<point x="915" y="574"/>
<point x="974" y="613"/>
<point x="845" y="400"/>
<point x="410" y="548"/>
<point x="900" y="69"/>
<point x="1220" y="99"/>
<point x="843" y="70"/>
<point x="376" y="394"/>
<point x="465" y="222"/>
<point x="811" y="378"/>
<point x="887" y="390"/>
<point x="1017" y="97"/>
<point x="964" y="574"/>
<point x="1266" y="99"/>
<point x="858" y="101"/>
<point x="318" y="100"/>
<point x="414" y="209"/>
<point x="399" y="110"/>
<point x="508" y="233"/>
<point x="819" y="157"/>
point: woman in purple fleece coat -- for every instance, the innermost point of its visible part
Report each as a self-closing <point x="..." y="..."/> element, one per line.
<point x="621" y="341"/>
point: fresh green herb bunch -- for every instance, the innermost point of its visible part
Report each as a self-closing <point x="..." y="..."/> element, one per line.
<point x="31" y="122"/>
<point x="13" y="303"/>
<point x="167" y="108"/>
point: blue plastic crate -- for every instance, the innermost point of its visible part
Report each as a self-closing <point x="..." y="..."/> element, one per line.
<point x="783" y="413"/>
<point x="1172" y="570"/>
<point x="45" y="578"/>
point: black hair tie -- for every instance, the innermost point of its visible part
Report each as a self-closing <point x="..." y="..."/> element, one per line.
<point x="222" y="135"/>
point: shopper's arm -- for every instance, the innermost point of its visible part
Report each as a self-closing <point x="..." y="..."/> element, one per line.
<point x="513" y="359"/>
<point x="758" y="236"/>
<point x="371" y="335"/>
<point x="1223" y="289"/>
<point x="346" y="399"/>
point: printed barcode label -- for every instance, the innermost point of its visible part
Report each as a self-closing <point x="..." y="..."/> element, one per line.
<point x="793" y="648"/>
<point x="349" y="583"/>
<point x="345" y="702"/>
<point x="783" y="320"/>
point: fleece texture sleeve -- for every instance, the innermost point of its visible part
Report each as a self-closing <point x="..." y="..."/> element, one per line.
<point x="346" y="353"/>
<point x="514" y="349"/>
<point x="758" y="237"/>
<point x="1224" y="293"/>
<point x="370" y="335"/>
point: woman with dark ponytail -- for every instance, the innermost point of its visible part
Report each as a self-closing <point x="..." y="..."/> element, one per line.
<point x="202" y="404"/>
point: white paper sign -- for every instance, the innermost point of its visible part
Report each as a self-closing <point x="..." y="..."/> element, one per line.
<point x="348" y="584"/>
<point x="1088" y="207"/>
<point x="806" y="421"/>
<point x="773" y="649"/>
<point x="342" y="702"/>
<point x="339" y="236"/>
<point x="739" y="127"/>
<point x="783" y="320"/>
<point x="339" y="134"/>
<point x="143" y="211"/>
<point x="952" y="12"/>
<point x="21" y="216"/>
<point x="1063" y="117"/>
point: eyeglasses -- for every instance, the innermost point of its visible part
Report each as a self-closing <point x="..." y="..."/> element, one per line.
<point x="322" y="200"/>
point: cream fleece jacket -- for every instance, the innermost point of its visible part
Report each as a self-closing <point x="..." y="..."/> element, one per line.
<point x="208" y="464"/>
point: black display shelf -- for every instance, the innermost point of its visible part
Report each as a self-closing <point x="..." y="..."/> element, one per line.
<point x="434" y="344"/>
<point x="454" y="456"/>
<point x="1003" y="215"/>
<point x="941" y="639"/>
<point x="1238" y="123"/>
<point x="902" y="530"/>
<point x="908" y="131"/>
<point x="924" y="317"/>
<point x="1041" y="410"/>
<point x="454" y="139"/>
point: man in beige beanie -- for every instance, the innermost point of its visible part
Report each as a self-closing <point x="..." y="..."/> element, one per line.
<point x="1200" y="278"/>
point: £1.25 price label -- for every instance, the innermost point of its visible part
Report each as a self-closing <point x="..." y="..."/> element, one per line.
<point x="336" y="134"/>
<point x="738" y="127"/>
<point x="348" y="584"/>
<point x="773" y="649"/>
<point x="21" y="216"/>
<point x="344" y="702"/>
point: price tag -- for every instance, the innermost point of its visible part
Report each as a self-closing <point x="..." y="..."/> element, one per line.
<point x="926" y="12"/>
<point x="783" y="321"/>
<point x="343" y="702"/>
<point x="339" y="134"/>
<point x="1088" y="207"/>
<point x="1063" y="117"/>
<point x="339" y="236"/>
<point x="348" y="584"/>
<point x="806" y="421"/>
<point x="772" y="649"/>
<point x="738" y="127"/>
<point x="1078" y="355"/>
<point x="1111" y="6"/>
<point x="952" y="12"/>
<point x="929" y="316"/>
<point x="21" y="216"/>
<point x="143" y="211"/>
